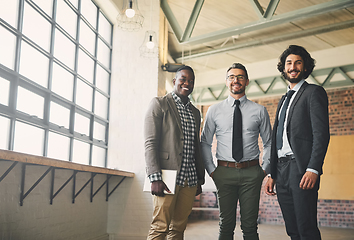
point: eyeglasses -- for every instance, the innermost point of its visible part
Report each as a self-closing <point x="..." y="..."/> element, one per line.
<point x="233" y="77"/>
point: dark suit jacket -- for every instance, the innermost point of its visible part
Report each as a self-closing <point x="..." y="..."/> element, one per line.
<point x="164" y="137"/>
<point x="307" y="129"/>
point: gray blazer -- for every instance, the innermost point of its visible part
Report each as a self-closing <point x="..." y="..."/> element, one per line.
<point x="307" y="129"/>
<point x="164" y="137"/>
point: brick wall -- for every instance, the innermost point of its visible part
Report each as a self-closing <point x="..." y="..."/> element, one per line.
<point x="331" y="213"/>
<point x="341" y="111"/>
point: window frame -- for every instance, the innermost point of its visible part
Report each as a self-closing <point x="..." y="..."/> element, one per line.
<point x="16" y="80"/>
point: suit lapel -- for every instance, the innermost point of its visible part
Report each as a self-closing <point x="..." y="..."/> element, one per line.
<point x="296" y="99"/>
<point x="196" y="115"/>
<point x="278" y="109"/>
<point x="280" y="103"/>
<point x="172" y="105"/>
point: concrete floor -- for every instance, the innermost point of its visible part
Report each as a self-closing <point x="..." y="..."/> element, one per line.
<point x="208" y="230"/>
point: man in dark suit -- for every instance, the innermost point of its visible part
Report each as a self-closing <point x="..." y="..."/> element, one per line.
<point x="299" y="145"/>
<point x="172" y="128"/>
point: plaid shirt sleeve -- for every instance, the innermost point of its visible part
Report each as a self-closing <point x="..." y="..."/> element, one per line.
<point x="155" y="177"/>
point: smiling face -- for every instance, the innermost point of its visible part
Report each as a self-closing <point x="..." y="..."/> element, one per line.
<point x="183" y="84"/>
<point x="294" y="68"/>
<point x="236" y="82"/>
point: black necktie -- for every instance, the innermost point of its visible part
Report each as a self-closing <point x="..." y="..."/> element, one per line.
<point x="237" y="147"/>
<point x="280" y="128"/>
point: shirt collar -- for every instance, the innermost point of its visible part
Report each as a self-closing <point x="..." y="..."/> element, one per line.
<point x="231" y="100"/>
<point x="297" y="86"/>
<point x="178" y="99"/>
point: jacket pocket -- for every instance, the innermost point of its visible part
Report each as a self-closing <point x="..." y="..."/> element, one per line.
<point x="164" y="155"/>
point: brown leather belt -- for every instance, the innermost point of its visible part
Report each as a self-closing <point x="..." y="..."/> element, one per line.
<point x="238" y="165"/>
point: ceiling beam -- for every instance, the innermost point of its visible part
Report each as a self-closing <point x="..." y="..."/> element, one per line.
<point x="269" y="40"/>
<point x="261" y="24"/>
<point x="272" y="6"/>
<point x="171" y="19"/>
<point x="192" y="20"/>
<point x="257" y="7"/>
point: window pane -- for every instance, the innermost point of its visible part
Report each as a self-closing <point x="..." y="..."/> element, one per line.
<point x="98" y="156"/>
<point x="64" y="49"/>
<point x="34" y="65"/>
<point x="4" y="91"/>
<point x="102" y="79"/>
<point x="66" y="18"/>
<point x="81" y="152"/>
<point x="85" y="66"/>
<point x="89" y="10"/>
<point x="9" y="11"/>
<point x="84" y="95"/>
<point x="36" y="27"/>
<point x="4" y="132"/>
<point x="30" y="102"/>
<point x="45" y="5"/>
<point x="103" y="54"/>
<point x="7" y="47"/>
<point x="62" y="82"/>
<point x="105" y="28"/>
<point x="101" y="105"/>
<point x="87" y="37"/>
<point x="28" y="139"/>
<point x="58" y="146"/>
<point x="82" y="124"/>
<point x="99" y="131"/>
<point x="59" y="115"/>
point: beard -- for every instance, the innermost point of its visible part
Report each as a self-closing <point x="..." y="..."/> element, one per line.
<point x="237" y="92"/>
<point x="286" y="75"/>
<point x="240" y="91"/>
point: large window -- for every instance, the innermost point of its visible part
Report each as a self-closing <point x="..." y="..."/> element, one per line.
<point x="55" y="70"/>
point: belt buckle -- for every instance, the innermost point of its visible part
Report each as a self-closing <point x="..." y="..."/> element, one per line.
<point x="237" y="165"/>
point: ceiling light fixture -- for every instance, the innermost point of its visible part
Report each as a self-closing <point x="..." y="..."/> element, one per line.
<point x="130" y="19"/>
<point x="130" y="12"/>
<point x="149" y="47"/>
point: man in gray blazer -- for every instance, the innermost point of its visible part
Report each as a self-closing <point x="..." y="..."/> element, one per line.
<point x="299" y="145"/>
<point x="172" y="126"/>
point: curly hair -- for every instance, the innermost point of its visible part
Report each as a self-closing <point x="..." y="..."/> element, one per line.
<point x="309" y="62"/>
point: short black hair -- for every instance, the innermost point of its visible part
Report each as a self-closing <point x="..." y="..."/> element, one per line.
<point x="309" y="62"/>
<point x="237" y="66"/>
<point x="185" y="67"/>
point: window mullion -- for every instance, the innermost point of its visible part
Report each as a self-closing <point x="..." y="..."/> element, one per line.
<point x="55" y="83"/>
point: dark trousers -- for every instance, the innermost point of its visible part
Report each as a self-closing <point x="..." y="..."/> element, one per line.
<point x="241" y="185"/>
<point x="299" y="207"/>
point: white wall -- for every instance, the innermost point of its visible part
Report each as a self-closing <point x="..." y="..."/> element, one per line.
<point x="135" y="81"/>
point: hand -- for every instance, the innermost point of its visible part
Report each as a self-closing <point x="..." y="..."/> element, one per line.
<point x="158" y="187"/>
<point x="269" y="187"/>
<point x="199" y="189"/>
<point x="308" y="180"/>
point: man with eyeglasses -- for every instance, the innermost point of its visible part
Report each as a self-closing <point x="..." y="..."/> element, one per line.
<point x="237" y="123"/>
